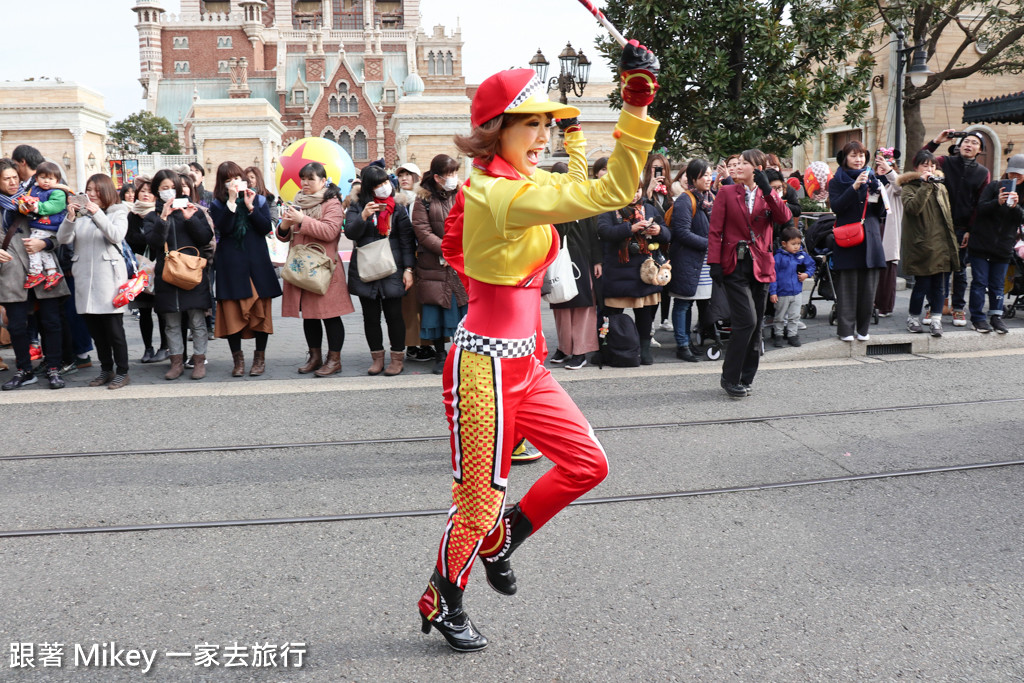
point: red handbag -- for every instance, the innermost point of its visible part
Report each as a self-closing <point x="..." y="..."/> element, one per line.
<point x="851" y="234"/>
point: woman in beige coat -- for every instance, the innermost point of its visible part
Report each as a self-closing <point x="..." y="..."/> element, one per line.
<point x="316" y="217"/>
<point x="96" y="231"/>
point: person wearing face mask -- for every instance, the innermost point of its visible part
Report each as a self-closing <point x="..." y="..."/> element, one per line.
<point x="315" y="216"/>
<point x="145" y="203"/>
<point x="167" y="227"/>
<point x="418" y="348"/>
<point x="965" y="179"/>
<point x="375" y="215"/>
<point x="855" y="192"/>
<point x="438" y="287"/>
<point x="246" y="282"/>
<point x="500" y="240"/>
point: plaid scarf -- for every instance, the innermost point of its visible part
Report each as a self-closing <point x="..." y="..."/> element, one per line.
<point x="9" y="204"/>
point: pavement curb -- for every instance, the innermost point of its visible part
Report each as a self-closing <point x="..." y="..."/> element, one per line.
<point x="886" y="344"/>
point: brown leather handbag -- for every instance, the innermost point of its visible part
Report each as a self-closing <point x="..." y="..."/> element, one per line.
<point x="182" y="270"/>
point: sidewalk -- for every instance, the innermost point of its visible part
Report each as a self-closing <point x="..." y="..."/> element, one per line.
<point x="287" y="348"/>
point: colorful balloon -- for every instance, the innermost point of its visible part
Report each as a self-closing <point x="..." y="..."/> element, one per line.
<point x="816" y="178"/>
<point x="337" y="162"/>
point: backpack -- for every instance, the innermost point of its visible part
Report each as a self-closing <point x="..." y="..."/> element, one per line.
<point x="620" y="342"/>
<point x="693" y="203"/>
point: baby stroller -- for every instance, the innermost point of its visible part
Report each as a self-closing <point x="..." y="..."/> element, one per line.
<point x="717" y="328"/>
<point x="1015" y="287"/>
<point x="819" y="242"/>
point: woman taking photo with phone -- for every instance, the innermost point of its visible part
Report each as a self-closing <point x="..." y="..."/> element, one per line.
<point x="145" y="203"/>
<point x="740" y="258"/>
<point x="376" y="216"/>
<point x="315" y="217"/>
<point x="246" y="281"/>
<point x="855" y="196"/>
<point x="176" y="224"/>
<point x="95" y="231"/>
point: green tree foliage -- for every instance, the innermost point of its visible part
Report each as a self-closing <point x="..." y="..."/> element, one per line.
<point x="150" y="133"/>
<point x="997" y="24"/>
<point x="750" y="74"/>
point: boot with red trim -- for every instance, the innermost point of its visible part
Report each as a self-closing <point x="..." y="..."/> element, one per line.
<point x="512" y="530"/>
<point x="441" y="607"/>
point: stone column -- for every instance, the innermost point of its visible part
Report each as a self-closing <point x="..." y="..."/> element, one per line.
<point x="78" y="134"/>
<point x="268" y="154"/>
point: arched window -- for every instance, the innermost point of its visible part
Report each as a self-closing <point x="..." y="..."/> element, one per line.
<point x="342" y="105"/>
<point x="345" y="140"/>
<point x="328" y="135"/>
<point x="342" y="87"/>
<point x="332" y="105"/>
<point x="449" y="66"/>
<point x="431" y="69"/>
<point x="359" y="149"/>
<point x="353" y="105"/>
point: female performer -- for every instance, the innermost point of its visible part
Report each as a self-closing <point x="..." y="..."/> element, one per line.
<point x="500" y="239"/>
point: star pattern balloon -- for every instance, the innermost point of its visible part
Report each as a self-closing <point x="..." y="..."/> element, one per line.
<point x="337" y="162"/>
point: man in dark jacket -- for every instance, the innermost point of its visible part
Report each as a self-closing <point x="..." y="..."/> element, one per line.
<point x="965" y="179"/>
<point x="1000" y="216"/>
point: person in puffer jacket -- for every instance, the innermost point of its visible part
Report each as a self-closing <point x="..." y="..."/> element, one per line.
<point x="793" y="265"/>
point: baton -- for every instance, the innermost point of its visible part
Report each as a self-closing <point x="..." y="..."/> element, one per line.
<point x="604" y="22"/>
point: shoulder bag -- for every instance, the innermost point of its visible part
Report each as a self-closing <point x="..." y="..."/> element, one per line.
<point x="851" y="234"/>
<point x="560" y="277"/>
<point x="376" y="261"/>
<point x="308" y="267"/>
<point x="182" y="270"/>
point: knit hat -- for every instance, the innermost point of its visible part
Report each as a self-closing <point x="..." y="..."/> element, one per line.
<point x="515" y="91"/>
<point x="1015" y="164"/>
<point x="816" y="177"/>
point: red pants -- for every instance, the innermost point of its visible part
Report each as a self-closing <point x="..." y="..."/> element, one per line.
<point x="490" y="402"/>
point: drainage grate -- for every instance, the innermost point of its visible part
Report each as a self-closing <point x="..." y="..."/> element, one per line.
<point x="888" y="349"/>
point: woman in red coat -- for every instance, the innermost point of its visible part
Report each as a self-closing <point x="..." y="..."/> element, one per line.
<point x="740" y="259"/>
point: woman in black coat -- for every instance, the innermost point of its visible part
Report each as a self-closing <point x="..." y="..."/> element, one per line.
<point x="375" y="216"/>
<point x="688" y="253"/>
<point x="853" y="188"/>
<point x="144" y="204"/>
<point x="246" y="281"/>
<point x="628" y="236"/>
<point x="178" y="229"/>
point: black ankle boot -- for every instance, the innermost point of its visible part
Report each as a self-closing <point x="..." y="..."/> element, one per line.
<point x="441" y="607"/>
<point x="512" y="531"/>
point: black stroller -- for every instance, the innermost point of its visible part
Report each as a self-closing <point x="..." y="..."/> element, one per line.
<point x="717" y="328"/>
<point x="1016" y="289"/>
<point x="819" y="242"/>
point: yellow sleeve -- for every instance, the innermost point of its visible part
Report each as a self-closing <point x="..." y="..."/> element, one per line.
<point x="518" y="204"/>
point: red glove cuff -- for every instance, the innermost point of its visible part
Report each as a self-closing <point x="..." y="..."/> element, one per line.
<point x="639" y="87"/>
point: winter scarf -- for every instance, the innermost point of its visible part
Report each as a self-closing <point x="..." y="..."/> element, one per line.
<point x="633" y="214"/>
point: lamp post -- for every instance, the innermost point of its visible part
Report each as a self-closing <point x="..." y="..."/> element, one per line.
<point x="573" y="75"/>
<point x="918" y="72"/>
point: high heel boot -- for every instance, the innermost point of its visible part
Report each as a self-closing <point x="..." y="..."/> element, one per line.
<point x="513" y="529"/>
<point x="441" y="607"/>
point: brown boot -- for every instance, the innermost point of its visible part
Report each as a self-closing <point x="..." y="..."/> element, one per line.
<point x="332" y="365"/>
<point x="316" y="359"/>
<point x="199" y="366"/>
<point x="259" y="363"/>
<point x="378" y="363"/>
<point x="395" y="366"/>
<point x="177" y="366"/>
<point x="239" y="359"/>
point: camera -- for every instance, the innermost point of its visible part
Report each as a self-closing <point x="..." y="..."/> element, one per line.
<point x="937" y="179"/>
<point x="958" y="134"/>
<point x="742" y="250"/>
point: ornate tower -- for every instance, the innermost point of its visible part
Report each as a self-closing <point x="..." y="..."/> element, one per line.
<point x="150" y="49"/>
<point x="252" y="23"/>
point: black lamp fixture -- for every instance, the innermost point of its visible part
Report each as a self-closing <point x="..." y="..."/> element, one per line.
<point x="573" y="72"/>
<point x="918" y="69"/>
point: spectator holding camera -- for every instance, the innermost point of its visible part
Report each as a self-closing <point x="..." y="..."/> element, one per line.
<point x="740" y="258"/>
<point x="990" y="247"/>
<point x="246" y="281"/>
<point x="965" y="179"/>
<point x="929" y="248"/>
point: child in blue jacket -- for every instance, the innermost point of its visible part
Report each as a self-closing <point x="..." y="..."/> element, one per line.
<point x="793" y="265"/>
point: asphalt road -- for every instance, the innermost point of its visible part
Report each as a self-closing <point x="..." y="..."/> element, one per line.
<point x="917" y="577"/>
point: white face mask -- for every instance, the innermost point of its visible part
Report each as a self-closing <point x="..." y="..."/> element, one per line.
<point x="451" y="182"/>
<point x="382" y="191"/>
<point x="168" y="195"/>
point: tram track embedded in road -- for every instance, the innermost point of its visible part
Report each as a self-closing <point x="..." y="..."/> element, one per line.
<point x="608" y="500"/>
<point x="444" y="437"/>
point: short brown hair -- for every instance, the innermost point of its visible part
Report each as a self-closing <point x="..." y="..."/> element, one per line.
<point x="105" y="190"/>
<point x="483" y="142"/>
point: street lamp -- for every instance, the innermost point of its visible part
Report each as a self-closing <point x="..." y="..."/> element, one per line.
<point x="918" y="72"/>
<point x="573" y="75"/>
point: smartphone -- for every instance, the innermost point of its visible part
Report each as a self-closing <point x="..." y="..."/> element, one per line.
<point x="79" y="200"/>
<point x="241" y="185"/>
<point x="179" y="203"/>
<point x="1009" y="185"/>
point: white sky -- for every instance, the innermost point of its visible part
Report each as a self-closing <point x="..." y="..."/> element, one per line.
<point x="96" y="44"/>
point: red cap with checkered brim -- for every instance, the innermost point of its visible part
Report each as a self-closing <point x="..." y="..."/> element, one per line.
<point x="516" y="91"/>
